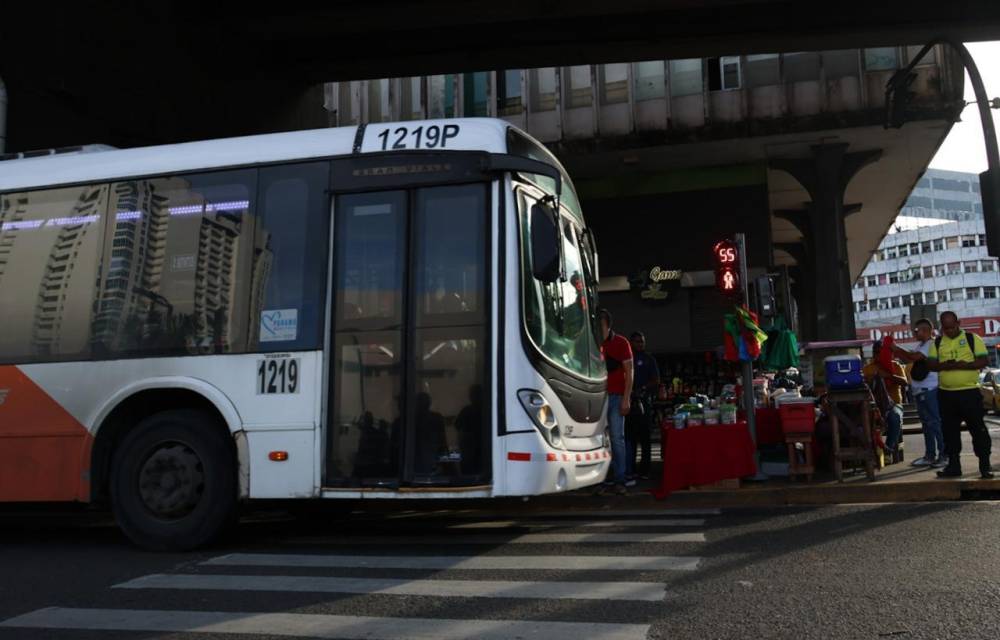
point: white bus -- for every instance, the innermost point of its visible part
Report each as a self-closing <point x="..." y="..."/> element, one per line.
<point x="397" y="310"/>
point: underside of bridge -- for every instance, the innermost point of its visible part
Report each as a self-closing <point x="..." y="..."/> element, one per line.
<point x="148" y="72"/>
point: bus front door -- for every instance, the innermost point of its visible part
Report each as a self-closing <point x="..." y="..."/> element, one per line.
<point x="409" y="382"/>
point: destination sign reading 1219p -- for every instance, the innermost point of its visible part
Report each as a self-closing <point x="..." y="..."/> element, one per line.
<point x="419" y="137"/>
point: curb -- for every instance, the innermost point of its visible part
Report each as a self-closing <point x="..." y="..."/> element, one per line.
<point x="868" y="492"/>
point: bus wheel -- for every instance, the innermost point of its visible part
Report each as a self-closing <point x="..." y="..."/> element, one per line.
<point x="173" y="481"/>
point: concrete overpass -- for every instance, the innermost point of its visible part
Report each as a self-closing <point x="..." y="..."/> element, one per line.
<point x="147" y="71"/>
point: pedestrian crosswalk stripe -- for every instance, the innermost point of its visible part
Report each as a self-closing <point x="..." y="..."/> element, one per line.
<point x="555" y="524"/>
<point x="527" y="538"/>
<point x="494" y="563"/>
<point x="616" y="513"/>
<point x="320" y="626"/>
<point x="551" y="590"/>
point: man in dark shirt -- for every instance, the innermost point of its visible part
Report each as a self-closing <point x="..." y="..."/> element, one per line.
<point x="617" y="353"/>
<point x="637" y="423"/>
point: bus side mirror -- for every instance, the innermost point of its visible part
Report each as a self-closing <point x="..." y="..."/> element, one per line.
<point x="544" y="244"/>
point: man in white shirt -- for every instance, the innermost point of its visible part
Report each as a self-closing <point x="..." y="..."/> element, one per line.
<point x="924" y="386"/>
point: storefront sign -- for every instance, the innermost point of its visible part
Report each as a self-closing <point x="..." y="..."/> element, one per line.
<point x="983" y="326"/>
<point x="658" y="283"/>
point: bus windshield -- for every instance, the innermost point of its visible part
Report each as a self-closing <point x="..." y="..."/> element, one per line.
<point x="560" y="316"/>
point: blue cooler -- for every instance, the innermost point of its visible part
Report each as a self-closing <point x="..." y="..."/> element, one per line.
<point x="843" y="372"/>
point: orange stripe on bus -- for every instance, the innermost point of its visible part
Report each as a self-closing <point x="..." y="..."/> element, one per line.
<point x="42" y="447"/>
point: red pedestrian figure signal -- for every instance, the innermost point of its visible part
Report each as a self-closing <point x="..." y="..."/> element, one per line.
<point x="728" y="281"/>
<point x="727" y="264"/>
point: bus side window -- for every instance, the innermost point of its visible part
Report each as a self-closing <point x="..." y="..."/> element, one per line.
<point x="290" y="258"/>
<point x="174" y="278"/>
<point x="50" y="249"/>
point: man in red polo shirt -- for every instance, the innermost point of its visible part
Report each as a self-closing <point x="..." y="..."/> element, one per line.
<point x="617" y="354"/>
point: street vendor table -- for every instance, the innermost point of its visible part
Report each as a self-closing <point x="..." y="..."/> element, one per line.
<point x="704" y="454"/>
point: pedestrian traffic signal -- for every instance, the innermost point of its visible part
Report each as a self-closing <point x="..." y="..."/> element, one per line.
<point x="727" y="267"/>
<point x="727" y="281"/>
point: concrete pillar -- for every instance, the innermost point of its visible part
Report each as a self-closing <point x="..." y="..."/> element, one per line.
<point x="825" y="176"/>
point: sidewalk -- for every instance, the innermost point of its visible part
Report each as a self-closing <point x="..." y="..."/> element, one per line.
<point x="895" y="483"/>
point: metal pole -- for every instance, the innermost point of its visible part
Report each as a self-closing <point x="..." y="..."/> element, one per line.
<point x="990" y="179"/>
<point x="748" y="398"/>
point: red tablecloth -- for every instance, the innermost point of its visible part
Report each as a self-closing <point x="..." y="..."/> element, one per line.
<point x="703" y="455"/>
<point x="769" y="426"/>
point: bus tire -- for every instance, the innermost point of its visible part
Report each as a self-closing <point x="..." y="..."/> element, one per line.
<point x="173" y="481"/>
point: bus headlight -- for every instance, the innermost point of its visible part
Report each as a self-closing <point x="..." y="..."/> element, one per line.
<point x="542" y="415"/>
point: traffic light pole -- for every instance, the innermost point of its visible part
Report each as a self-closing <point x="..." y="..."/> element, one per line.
<point x="748" y="397"/>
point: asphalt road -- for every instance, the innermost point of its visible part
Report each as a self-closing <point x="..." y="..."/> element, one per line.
<point x="926" y="570"/>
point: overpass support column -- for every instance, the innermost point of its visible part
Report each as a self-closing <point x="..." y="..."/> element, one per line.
<point x="825" y="176"/>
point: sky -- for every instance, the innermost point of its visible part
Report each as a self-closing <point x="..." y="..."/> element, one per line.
<point x="963" y="150"/>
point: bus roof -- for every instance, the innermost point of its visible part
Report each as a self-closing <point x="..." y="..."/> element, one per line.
<point x="465" y="134"/>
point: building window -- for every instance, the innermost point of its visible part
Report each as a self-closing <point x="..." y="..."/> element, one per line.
<point x="989" y="292"/>
<point x="801" y="66"/>
<point x="890" y="253"/>
<point x="614" y="83"/>
<point x="883" y="278"/>
<point x="686" y="77"/>
<point x="929" y="58"/>
<point x="894" y="278"/>
<point x="982" y="239"/>
<point x="345" y="103"/>
<point x="872" y="281"/>
<point x="944" y="204"/>
<point x="954" y="267"/>
<point x="968" y="241"/>
<point x="940" y="270"/>
<point x="972" y="293"/>
<point x="724" y="73"/>
<point x="971" y="267"/>
<point x="762" y="70"/>
<point x="904" y="251"/>
<point x="509" y="101"/>
<point x="956" y="294"/>
<point x="378" y="101"/>
<point x="952" y="243"/>
<point x="928" y="272"/>
<point x="894" y="302"/>
<point x="925" y="246"/>
<point x="475" y="91"/>
<point x="576" y="86"/>
<point x="944" y="184"/>
<point x="842" y="63"/>
<point x="914" y="248"/>
<point x="988" y="265"/>
<point x="930" y="297"/>
<point x="881" y="59"/>
<point x="542" y="89"/>
<point x="939" y="244"/>
<point x="649" y="80"/>
<point x="411" y="103"/>
<point x="441" y="96"/>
